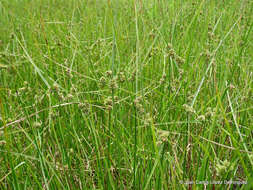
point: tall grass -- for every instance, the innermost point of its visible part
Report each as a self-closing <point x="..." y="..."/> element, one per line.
<point x="126" y="94"/>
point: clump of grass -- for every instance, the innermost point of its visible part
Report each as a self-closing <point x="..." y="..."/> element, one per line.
<point x="126" y="94"/>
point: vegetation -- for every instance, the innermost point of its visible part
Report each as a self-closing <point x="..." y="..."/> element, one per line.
<point x="140" y="94"/>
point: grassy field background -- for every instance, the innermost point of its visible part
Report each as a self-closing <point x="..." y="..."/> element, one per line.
<point x="126" y="94"/>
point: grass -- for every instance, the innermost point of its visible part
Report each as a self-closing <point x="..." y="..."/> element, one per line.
<point x="126" y="94"/>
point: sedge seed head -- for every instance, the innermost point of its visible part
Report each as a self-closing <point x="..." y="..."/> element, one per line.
<point x="113" y="84"/>
<point x="169" y="46"/>
<point x="108" y="73"/>
<point x="189" y="108"/>
<point x="37" y="124"/>
<point x="102" y="81"/>
<point x="2" y="143"/>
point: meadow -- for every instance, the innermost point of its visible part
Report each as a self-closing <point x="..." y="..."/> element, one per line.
<point x="126" y="94"/>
